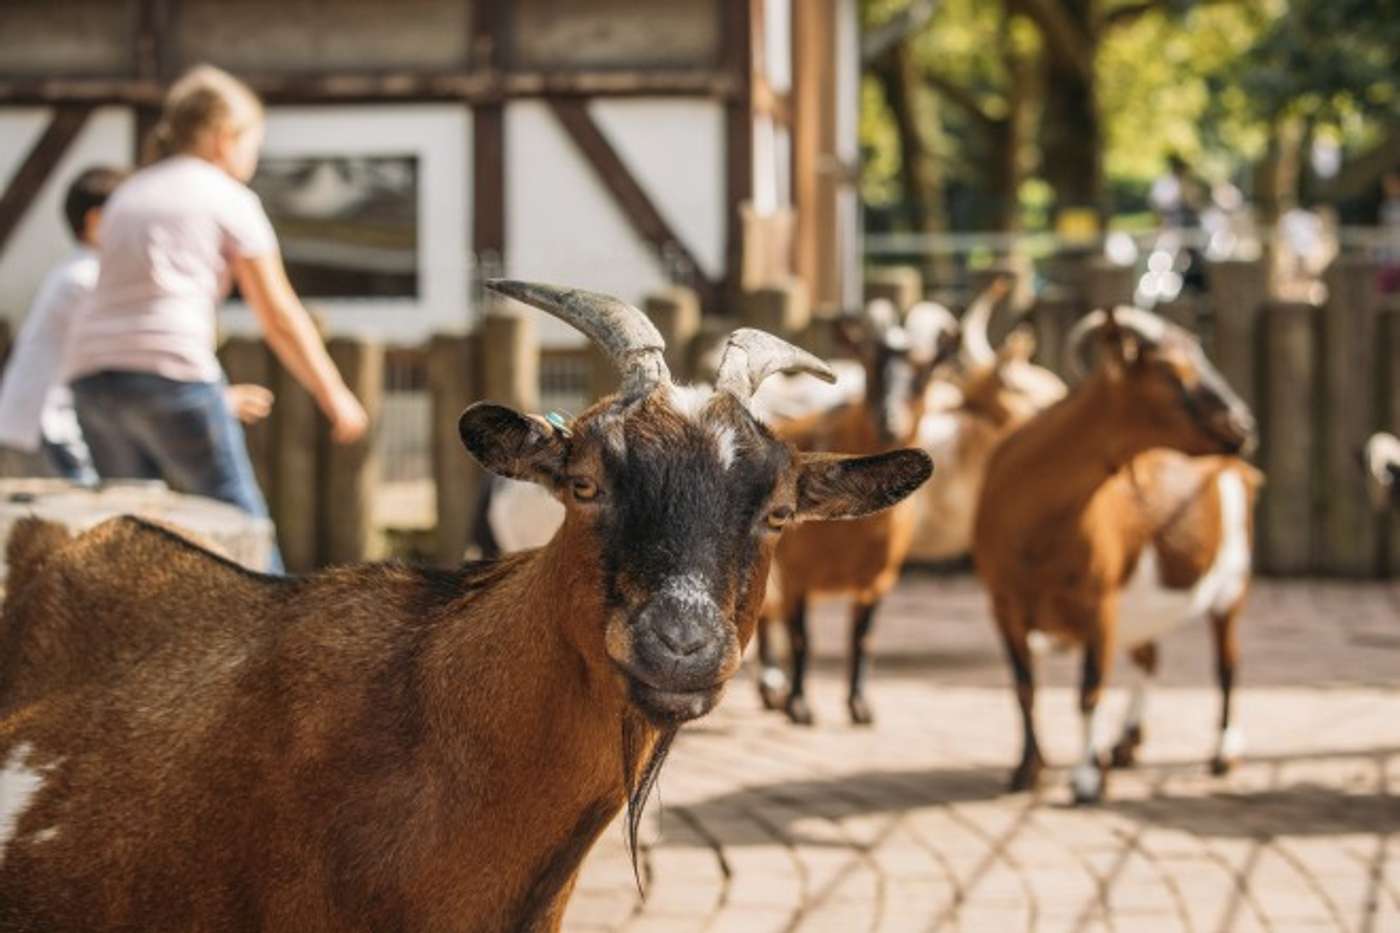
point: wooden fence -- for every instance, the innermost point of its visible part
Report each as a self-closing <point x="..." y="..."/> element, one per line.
<point x="1320" y="378"/>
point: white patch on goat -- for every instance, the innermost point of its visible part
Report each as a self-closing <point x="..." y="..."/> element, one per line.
<point x="19" y="783"/>
<point x="1230" y="745"/>
<point x="1137" y="702"/>
<point x="1148" y="610"/>
<point x="1087" y="777"/>
<point x="690" y="401"/>
<point x="724" y="446"/>
<point x="46" y="835"/>
<point x="690" y="590"/>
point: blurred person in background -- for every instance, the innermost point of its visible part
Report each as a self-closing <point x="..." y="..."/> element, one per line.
<point x="148" y="388"/>
<point x="36" y="408"/>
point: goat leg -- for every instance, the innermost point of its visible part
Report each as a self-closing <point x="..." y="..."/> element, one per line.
<point x="1089" y="776"/>
<point x="797" y="709"/>
<point x="772" y="682"/>
<point x="1018" y="655"/>
<point x="1230" y="743"/>
<point x="862" y="619"/>
<point x="1125" y="752"/>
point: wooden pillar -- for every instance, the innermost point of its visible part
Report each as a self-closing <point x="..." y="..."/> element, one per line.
<point x="351" y="475"/>
<point x="738" y="18"/>
<point x="813" y="47"/>
<point x="676" y="313"/>
<point x="248" y="360"/>
<point x="452" y="381"/>
<point x="1350" y="528"/>
<point x="1289" y="446"/>
<point x="1238" y="290"/>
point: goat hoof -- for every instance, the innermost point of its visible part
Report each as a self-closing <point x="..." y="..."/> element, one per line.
<point x="861" y="714"/>
<point x="1026" y="776"/>
<point x="1221" y="766"/>
<point x="772" y="699"/>
<point x="798" y="711"/>
<point x="1087" y="782"/>
<point x="1124" y="754"/>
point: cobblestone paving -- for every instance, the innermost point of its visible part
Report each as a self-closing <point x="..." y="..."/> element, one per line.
<point x="907" y="825"/>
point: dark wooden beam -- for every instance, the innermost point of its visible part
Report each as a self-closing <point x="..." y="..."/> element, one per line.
<point x="38" y="165"/>
<point x="629" y="196"/>
<point x="476" y="86"/>
<point x="489" y="182"/>
<point x="743" y="21"/>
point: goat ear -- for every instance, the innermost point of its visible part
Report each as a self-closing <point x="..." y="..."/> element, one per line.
<point x="523" y="447"/>
<point x="832" y="486"/>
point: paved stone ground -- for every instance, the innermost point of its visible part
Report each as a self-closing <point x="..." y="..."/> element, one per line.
<point x="907" y="826"/>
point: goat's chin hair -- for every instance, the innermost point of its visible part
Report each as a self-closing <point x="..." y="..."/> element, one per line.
<point x="640" y="777"/>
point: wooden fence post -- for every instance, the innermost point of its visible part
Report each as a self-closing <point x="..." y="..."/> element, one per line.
<point x="1053" y="314"/>
<point x="510" y="360"/>
<point x="453" y="373"/>
<point x="1238" y="290"/>
<point x="1390" y="401"/>
<point x="298" y="426"/>
<point x="351" y="476"/>
<point x="903" y="285"/>
<point x="782" y="310"/>
<point x="676" y="313"/>
<point x="1288" y="376"/>
<point x="1107" y="284"/>
<point x="248" y="360"/>
<point x="1350" y="534"/>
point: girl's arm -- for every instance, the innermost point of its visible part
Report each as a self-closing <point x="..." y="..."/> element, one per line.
<point x="288" y="330"/>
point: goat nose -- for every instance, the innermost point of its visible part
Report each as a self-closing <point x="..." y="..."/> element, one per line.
<point x="681" y="636"/>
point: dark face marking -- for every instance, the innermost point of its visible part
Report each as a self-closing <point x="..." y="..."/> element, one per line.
<point x="1188" y="384"/>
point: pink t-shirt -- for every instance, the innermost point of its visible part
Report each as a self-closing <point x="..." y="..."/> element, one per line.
<point x="168" y="238"/>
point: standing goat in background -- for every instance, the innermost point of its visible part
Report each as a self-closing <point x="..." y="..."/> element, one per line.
<point x="191" y="746"/>
<point x="861" y="559"/>
<point x="1079" y="526"/>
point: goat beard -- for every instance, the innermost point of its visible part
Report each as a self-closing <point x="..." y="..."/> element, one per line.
<point x="640" y="777"/>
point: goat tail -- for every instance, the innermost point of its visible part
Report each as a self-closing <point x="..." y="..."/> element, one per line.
<point x="32" y="540"/>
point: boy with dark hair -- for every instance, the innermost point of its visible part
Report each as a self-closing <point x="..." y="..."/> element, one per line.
<point x="36" y="408"/>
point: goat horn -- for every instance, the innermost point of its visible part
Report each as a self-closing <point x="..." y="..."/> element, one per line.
<point x="1147" y="326"/>
<point x="625" y="334"/>
<point x="751" y="356"/>
<point x="976" y="345"/>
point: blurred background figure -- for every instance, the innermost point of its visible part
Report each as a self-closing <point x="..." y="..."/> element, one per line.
<point x="36" y="406"/>
<point x="149" y="391"/>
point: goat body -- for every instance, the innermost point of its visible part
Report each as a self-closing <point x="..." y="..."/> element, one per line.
<point x="300" y="754"/>
<point x="1086" y="519"/>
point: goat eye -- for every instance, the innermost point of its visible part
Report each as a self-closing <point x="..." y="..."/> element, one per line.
<point x="780" y="516"/>
<point x="583" y="488"/>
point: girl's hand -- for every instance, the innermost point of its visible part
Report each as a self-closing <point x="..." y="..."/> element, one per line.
<point x="348" y="419"/>
<point x="249" y="403"/>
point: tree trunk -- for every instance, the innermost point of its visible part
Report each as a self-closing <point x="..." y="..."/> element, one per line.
<point x="1071" y="131"/>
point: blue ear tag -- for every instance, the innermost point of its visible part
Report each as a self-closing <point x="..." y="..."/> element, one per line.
<point x="559" y="423"/>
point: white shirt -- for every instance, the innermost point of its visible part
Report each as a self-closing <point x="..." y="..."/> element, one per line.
<point x="34" y="397"/>
<point x="169" y="237"/>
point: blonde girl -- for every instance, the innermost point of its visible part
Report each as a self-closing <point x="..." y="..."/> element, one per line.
<point x="147" y="386"/>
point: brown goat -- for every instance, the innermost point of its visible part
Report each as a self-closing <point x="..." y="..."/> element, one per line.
<point x="1073" y="505"/>
<point x="188" y="745"/>
<point x="863" y="558"/>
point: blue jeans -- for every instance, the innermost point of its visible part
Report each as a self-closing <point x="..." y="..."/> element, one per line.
<point x="144" y="426"/>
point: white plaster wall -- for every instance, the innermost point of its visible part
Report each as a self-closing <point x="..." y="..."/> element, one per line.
<point x="561" y="223"/>
<point x="777" y="43"/>
<point x="440" y="135"/>
<point x="675" y="149"/>
<point x="42" y="237"/>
